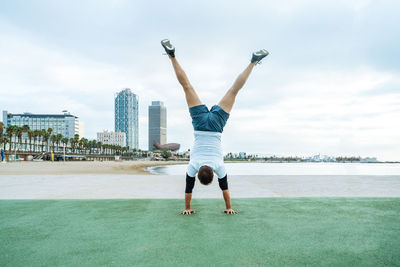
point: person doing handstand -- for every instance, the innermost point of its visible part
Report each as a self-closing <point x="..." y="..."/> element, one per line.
<point x="206" y="156"/>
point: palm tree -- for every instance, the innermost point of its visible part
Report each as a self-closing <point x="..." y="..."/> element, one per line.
<point x="25" y="129"/>
<point x="93" y="144"/>
<point x="87" y="144"/>
<point x="105" y="147"/>
<point x="58" y="140"/>
<point x="36" y="136"/>
<point x="10" y="131"/>
<point x="53" y="139"/>
<point x="90" y="146"/>
<point x="42" y="134"/>
<point x="5" y="140"/>
<point x="80" y="144"/>
<point x="39" y="135"/>
<point x="99" y="146"/>
<point x="84" y="144"/>
<point x="65" y="141"/>
<point x="1" y="128"/>
<point x="30" y="136"/>
<point x="76" y="140"/>
<point x="18" y="133"/>
<point x="72" y="142"/>
<point x="49" y="131"/>
<point x="1" y="140"/>
<point x="112" y="150"/>
<point x="46" y="137"/>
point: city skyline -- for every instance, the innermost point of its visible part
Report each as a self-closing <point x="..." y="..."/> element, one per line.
<point x="330" y="85"/>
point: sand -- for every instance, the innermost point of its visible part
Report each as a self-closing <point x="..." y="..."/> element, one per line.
<point x="80" y="167"/>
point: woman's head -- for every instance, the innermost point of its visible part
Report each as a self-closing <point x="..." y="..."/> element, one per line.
<point x="205" y="175"/>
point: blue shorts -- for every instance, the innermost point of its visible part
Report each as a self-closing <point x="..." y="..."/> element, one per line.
<point x="212" y="120"/>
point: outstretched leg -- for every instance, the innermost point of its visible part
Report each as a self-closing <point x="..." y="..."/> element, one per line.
<point x="191" y="96"/>
<point x="228" y="100"/>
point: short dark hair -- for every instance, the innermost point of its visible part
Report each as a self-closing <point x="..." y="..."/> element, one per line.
<point x="205" y="175"/>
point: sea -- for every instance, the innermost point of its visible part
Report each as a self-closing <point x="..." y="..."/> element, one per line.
<point x="306" y="168"/>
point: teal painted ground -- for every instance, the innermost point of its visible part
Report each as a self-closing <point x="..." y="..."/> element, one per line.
<point x="268" y="231"/>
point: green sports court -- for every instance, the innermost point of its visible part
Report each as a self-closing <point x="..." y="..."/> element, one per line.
<point x="150" y="232"/>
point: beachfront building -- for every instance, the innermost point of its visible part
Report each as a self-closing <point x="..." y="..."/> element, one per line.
<point x="112" y="138"/>
<point x="127" y="116"/>
<point x="66" y="124"/>
<point x="157" y="124"/>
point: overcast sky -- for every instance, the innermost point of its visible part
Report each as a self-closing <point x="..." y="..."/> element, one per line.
<point x="331" y="84"/>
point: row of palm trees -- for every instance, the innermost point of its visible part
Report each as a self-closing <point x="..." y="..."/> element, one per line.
<point x="44" y="141"/>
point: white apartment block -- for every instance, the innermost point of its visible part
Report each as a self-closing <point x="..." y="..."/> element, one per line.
<point x="112" y="138"/>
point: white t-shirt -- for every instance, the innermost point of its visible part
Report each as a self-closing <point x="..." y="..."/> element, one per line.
<point x="207" y="150"/>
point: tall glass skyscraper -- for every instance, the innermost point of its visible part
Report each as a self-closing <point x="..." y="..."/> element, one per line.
<point x="127" y="116"/>
<point x="157" y="123"/>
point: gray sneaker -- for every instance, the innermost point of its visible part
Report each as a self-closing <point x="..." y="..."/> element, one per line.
<point x="169" y="48"/>
<point x="257" y="56"/>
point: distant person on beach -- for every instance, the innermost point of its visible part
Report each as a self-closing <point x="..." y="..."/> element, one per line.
<point x="206" y="156"/>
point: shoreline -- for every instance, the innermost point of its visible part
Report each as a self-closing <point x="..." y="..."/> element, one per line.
<point x="82" y="167"/>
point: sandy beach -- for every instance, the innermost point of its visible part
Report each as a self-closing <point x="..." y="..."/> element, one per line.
<point x="80" y="167"/>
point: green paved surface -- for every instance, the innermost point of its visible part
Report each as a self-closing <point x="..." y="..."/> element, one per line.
<point x="268" y="231"/>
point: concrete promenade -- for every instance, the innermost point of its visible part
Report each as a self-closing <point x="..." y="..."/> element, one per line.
<point x="114" y="186"/>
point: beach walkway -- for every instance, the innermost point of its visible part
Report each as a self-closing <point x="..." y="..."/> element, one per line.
<point x="113" y="186"/>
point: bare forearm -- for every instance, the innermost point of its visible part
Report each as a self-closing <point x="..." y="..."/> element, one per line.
<point x="188" y="210"/>
<point x="188" y="199"/>
<point x="227" y="198"/>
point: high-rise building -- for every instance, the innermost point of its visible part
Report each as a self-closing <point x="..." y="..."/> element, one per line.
<point x="66" y="124"/>
<point x="112" y="138"/>
<point x="127" y="116"/>
<point x="157" y="124"/>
